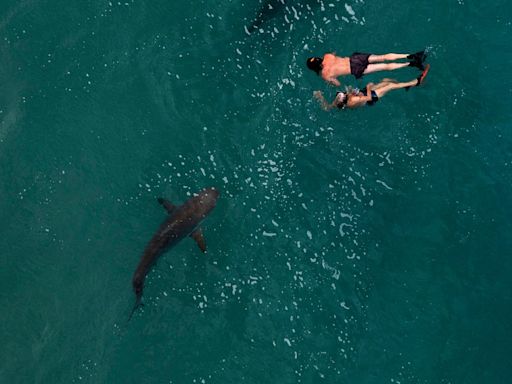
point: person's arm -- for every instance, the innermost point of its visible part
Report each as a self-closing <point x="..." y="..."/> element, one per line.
<point x="324" y="104"/>
<point x="333" y="81"/>
<point x="369" y="92"/>
<point x="355" y="101"/>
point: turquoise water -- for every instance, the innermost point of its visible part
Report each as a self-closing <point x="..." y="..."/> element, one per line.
<point x="365" y="246"/>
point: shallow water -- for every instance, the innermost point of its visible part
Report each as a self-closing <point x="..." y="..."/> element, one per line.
<point x="366" y="246"/>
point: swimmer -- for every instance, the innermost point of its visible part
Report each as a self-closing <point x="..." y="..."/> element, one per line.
<point x="369" y="96"/>
<point x="330" y="67"/>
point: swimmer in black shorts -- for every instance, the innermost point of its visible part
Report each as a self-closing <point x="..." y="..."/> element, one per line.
<point x="330" y="67"/>
<point x="369" y="96"/>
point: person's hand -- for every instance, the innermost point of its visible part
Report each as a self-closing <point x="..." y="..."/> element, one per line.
<point x="317" y="94"/>
<point x="369" y="85"/>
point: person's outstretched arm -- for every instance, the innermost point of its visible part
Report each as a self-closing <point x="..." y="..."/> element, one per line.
<point x="369" y="91"/>
<point x="334" y="81"/>
<point x="323" y="103"/>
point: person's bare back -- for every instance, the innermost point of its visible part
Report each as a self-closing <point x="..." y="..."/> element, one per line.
<point x="334" y="66"/>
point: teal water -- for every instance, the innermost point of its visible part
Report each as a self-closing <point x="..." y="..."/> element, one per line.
<point x="366" y="246"/>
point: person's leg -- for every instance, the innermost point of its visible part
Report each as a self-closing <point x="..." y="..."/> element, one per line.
<point x="383" y="67"/>
<point x="388" y="80"/>
<point x="381" y="91"/>
<point x="383" y="83"/>
<point x="387" y="57"/>
<point x="390" y="86"/>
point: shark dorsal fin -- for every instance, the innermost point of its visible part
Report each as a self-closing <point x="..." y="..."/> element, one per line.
<point x="170" y="207"/>
<point x="197" y="235"/>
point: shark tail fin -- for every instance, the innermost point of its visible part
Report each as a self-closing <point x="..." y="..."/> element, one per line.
<point x="138" y="304"/>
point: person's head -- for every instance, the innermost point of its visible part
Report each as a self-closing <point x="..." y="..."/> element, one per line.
<point x="315" y="64"/>
<point x="341" y="100"/>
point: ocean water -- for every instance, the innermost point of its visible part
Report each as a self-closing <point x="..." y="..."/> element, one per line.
<point x="365" y="246"/>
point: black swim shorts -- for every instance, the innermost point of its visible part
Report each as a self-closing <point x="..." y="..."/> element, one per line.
<point x="358" y="63"/>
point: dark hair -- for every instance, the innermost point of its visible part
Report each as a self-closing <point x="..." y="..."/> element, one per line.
<point x="315" y="64"/>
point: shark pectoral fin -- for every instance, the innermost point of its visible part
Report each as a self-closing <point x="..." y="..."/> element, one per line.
<point x="170" y="207"/>
<point x="197" y="235"/>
